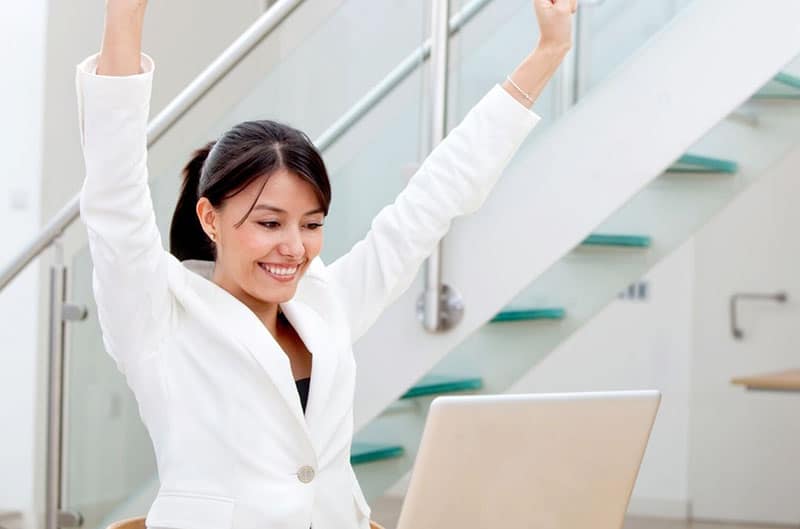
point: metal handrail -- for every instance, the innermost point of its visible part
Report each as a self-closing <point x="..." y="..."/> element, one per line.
<point x="165" y="119"/>
<point x="399" y="74"/>
<point x="736" y="331"/>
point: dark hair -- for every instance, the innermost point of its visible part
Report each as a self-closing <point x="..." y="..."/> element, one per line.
<point x="221" y="169"/>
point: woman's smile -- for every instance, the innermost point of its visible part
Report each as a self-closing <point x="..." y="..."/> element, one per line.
<point x="282" y="273"/>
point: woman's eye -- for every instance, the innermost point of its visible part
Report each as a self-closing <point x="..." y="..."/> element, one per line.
<point x="314" y="226"/>
<point x="270" y="224"/>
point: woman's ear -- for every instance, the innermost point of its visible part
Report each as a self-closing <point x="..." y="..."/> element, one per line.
<point x="207" y="214"/>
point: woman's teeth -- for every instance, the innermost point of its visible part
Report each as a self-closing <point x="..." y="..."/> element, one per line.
<point x="280" y="272"/>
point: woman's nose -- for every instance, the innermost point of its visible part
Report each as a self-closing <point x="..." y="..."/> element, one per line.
<point x="292" y="246"/>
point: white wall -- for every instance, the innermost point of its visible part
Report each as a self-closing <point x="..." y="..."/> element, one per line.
<point x="745" y="462"/>
<point x="22" y="55"/>
<point x="717" y="451"/>
<point x="639" y="344"/>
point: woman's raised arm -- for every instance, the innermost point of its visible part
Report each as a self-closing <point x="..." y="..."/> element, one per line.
<point x="122" y="38"/>
<point x="454" y="180"/>
<point x="555" y="40"/>
<point x="134" y="305"/>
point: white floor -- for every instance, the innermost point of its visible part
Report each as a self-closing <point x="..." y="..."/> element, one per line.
<point x="10" y="519"/>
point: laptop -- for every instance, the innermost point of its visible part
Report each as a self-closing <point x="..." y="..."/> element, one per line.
<point x="538" y="461"/>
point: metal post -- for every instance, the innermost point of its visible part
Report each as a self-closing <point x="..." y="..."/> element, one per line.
<point x="440" y="16"/>
<point x="54" y="516"/>
<point x="579" y="62"/>
<point x="440" y="308"/>
<point x="563" y="84"/>
<point x="569" y="82"/>
<point x="55" y="396"/>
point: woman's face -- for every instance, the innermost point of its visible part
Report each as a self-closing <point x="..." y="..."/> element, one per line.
<point x="261" y="261"/>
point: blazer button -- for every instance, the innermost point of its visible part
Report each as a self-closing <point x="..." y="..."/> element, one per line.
<point x="305" y="474"/>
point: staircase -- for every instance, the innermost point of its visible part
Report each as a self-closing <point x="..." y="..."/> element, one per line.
<point x="746" y="118"/>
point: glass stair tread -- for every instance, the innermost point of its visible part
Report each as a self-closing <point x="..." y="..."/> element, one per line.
<point x="361" y="453"/>
<point x="612" y="239"/>
<point x="782" y="86"/>
<point x="529" y="314"/>
<point x="438" y="384"/>
<point x="693" y="163"/>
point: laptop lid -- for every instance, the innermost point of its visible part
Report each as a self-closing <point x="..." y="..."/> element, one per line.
<point x="543" y="461"/>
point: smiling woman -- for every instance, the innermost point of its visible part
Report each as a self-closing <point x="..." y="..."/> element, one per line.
<point x="216" y="337"/>
<point x="254" y="202"/>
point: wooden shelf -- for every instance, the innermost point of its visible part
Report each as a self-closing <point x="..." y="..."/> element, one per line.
<point x="788" y="380"/>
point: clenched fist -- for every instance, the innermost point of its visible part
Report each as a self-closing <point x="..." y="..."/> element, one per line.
<point x="555" y="22"/>
<point x="122" y="38"/>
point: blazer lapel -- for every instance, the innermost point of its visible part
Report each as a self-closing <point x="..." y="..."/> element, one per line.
<point x="316" y="335"/>
<point x="237" y="321"/>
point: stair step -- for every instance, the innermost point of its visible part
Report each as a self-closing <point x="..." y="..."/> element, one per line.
<point x="437" y="384"/>
<point x="529" y="315"/>
<point x="693" y="163"/>
<point x="777" y="88"/>
<point x="610" y="239"/>
<point x="788" y="80"/>
<point x="361" y="453"/>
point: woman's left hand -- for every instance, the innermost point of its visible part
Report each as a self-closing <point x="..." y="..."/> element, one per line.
<point x="555" y="22"/>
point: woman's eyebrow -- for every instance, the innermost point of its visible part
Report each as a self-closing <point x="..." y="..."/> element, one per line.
<point x="279" y="210"/>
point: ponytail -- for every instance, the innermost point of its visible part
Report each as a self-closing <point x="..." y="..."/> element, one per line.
<point x="187" y="240"/>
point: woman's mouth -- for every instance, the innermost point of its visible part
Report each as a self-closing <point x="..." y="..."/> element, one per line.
<point x="282" y="273"/>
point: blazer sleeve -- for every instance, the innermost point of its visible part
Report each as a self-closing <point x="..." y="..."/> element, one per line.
<point x="454" y="180"/>
<point x="129" y="275"/>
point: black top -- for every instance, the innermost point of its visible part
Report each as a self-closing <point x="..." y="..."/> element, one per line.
<point x="302" y="389"/>
<point x="303" y="384"/>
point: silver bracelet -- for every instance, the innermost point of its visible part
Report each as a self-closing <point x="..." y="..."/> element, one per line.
<point x="520" y="90"/>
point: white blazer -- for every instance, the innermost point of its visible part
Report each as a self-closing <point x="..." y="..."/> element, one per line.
<point x="215" y="391"/>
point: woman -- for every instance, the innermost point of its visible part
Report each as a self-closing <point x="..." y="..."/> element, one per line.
<point x="218" y="338"/>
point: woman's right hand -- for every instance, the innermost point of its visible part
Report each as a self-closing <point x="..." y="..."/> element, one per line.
<point x="555" y="22"/>
<point x="122" y="38"/>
